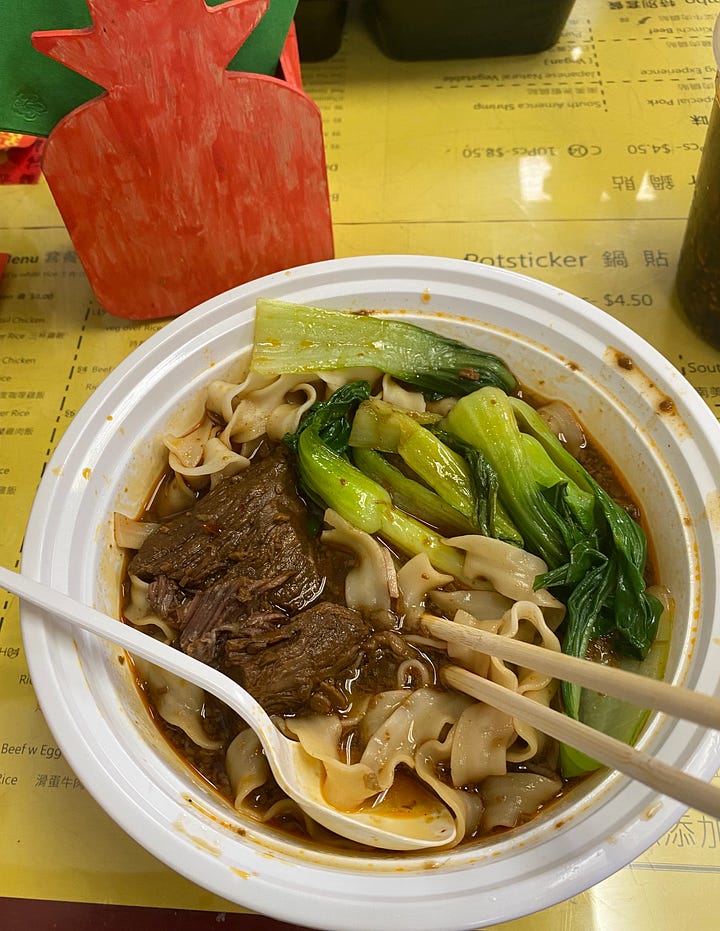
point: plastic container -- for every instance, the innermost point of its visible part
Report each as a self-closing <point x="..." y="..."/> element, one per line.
<point x="426" y="29"/>
<point x="698" y="275"/>
<point x="105" y="464"/>
<point x="319" y="25"/>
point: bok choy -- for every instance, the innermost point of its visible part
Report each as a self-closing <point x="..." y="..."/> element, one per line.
<point x="595" y="551"/>
<point x="329" y="477"/>
<point x="469" y="487"/>
<point x="314" y="339"/>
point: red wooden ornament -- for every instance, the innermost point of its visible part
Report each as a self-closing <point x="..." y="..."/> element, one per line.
<point x="184" y="179"/>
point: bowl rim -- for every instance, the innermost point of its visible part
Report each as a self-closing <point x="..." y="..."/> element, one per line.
<point x="44" y="559"/>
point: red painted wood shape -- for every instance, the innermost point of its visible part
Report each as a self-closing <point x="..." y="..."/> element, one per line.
<point x="184" y="179"/>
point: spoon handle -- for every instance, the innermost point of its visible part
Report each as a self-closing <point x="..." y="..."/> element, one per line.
<point x="135" y="642"/>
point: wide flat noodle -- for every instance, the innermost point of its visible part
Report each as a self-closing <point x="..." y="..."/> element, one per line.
<point x="400" y="397"/>
<point x="512" y="571"/>
<point x="413" y="729"/>
<point x="524" y="621"/>
<point x="416" y="579"/>
<point x="178" y="702"/>
<point x="467" y="807"/>
<point x="337" y="378"/>
<point x="187" y="449"/>
<point x="174" y="496"/>
<point x="221" y="396"/>
<point x="482" y="604"/>
<point x="262" y="407"/>
<point x="247" y="770"/>
<point x="511" y="799"/>
<point x="424" y="716"/>
<point x="347" y="785"/>
<point x="138" y="611"/>
<point x="480" y="742"/>
<point x="246" y="766"/>
<point x="201" y="454"/>
<point x="131" y="534"/>
<point x="371" y="584"/>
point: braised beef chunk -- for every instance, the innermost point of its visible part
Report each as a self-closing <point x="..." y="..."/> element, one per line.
<point x="250" y="591"/>
<point x="164" y="596"/>
<point x="255" y="520"/>
<point x="284" y="669"/>
<point x="231" y="605"/>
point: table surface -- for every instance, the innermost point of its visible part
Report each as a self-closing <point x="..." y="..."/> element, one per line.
<point x="576" y="166"/>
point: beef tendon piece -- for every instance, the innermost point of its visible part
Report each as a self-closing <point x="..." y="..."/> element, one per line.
<point x="283" y="668"/>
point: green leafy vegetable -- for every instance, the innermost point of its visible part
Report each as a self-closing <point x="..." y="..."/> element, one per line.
<point x="333" y="419"/>
<point x="457" y="473"/>
<point x="330" y="479"/>
<point x="486" y="421"/>
<point x="596" y="553"/>
<point x="547" y="474"/>
<point x="298" y="338"/>
<point x="412" y="496"/>
<point x="612" y="716"/>
<point x="489" y="515"/>
<point x="380" y="426"/>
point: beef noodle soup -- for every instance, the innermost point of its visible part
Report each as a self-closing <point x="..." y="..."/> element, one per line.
<point x="304" y="527"/>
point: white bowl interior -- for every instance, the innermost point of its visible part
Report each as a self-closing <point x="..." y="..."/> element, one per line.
<point x="637" y="408"/>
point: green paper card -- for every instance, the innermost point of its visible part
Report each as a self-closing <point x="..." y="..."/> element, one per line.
<point x="36" y="92"/>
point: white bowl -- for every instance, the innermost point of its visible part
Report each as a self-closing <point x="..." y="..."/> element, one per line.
<point x="636" y="406"/>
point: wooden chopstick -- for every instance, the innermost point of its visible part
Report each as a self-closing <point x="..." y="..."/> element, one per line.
<point x="642" y="691"/>
<point x="639" y="690"/>
<point x="607" y="750"/>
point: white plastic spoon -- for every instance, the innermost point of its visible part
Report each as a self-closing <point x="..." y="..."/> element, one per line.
<point x="298" y="774"/>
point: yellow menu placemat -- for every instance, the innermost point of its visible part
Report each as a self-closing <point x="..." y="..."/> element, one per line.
<point x="575" y="166"/>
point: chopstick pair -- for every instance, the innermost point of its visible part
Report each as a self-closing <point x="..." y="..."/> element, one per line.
<point x="636" y="689"/>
